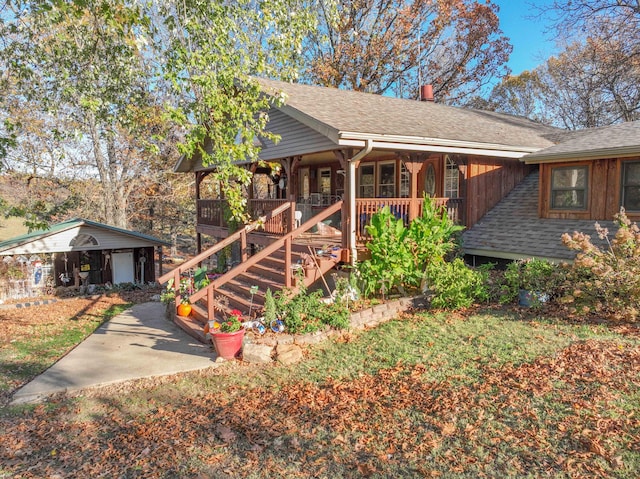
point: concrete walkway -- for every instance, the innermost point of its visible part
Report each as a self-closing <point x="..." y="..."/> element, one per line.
<point x="138" y="343"/>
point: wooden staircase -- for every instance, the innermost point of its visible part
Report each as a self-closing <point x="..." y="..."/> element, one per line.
<point x="276" y="266"/>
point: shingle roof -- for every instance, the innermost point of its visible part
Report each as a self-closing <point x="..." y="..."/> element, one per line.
<point x="512" y="229"/>
<point x="364" y="113"/>
<point x="606" y="142"/>
<point x="73" y="223"/>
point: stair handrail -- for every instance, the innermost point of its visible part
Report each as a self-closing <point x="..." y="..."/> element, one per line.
<point x="256" y="258"/>
<point x="177" y="271"/>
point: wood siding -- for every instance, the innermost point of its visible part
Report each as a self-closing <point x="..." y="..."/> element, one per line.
<point x="295" y="138"/>
<point x="488" y="180"/>
<point x="603" y="191"/>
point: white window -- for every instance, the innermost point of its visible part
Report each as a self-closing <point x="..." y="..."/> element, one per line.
<point x="451" y="178"/>
<point x="405" y="181"/>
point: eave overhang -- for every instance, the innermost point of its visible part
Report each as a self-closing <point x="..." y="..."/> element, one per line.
<point x="599" y="154"/>
<point x="435" y="145"/>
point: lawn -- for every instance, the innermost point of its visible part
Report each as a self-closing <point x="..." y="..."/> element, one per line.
<point x="482" y="394"/>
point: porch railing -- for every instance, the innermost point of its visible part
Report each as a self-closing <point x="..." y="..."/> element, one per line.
<point x="401" y="209"/>
<point x="211" y="213"/>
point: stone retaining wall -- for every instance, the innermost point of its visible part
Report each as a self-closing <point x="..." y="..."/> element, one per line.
<point x="279" y="346"/>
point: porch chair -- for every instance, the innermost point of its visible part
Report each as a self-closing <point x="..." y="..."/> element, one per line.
<point x="297" y="216"/>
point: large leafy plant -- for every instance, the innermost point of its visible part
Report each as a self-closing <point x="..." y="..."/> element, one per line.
<point x="391" y="259"/>
<point x="400" y="256"/>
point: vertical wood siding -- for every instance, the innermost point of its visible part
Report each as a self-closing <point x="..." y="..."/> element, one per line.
<point x="488" y="181"/>
<point x="603" y="194"/>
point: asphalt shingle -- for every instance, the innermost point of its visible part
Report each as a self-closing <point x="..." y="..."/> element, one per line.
<point x="513" y="229"/>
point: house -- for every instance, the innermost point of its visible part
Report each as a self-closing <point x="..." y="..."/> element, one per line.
<point x="82" y="251"/>
<point x="343" y="155"/>
<point x="583" y="179"/>
<point x="370" y="150"/>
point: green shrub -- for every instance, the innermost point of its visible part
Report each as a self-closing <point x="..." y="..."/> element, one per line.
<point x="400" y="256"/>
<point x="605" y="281"/>
<point x="307" y="312"/>
<point x="455" y="285"/>
<point x="531" y="274"/>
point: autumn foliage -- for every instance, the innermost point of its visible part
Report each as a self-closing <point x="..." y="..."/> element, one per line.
<point x="605" y="281"/>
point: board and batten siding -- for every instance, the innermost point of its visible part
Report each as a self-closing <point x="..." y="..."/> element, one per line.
<point x="59" y="242"/>
<point x="603" y="190"/>
<point x="295" y="138"/>
<point x="488" y="180"/>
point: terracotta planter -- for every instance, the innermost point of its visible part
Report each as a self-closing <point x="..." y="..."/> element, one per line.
<point x="184" y="309"/>
<point x="228" y="345"/>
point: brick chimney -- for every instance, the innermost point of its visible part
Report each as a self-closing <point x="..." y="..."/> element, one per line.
<point x="426" y="93"/>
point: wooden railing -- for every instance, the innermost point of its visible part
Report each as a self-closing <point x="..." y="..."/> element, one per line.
<point x="401" y="208"/>
<point x="241" y="235"/>
<point x="211" y="213"/>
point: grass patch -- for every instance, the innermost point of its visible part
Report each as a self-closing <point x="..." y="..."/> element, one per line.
<point x="41" y="346"/>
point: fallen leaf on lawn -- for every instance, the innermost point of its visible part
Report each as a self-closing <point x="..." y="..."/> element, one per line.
<point x="225" y="433"/>
<point x="448" y="429"/>
<point x="366" y="470"/>
<point x="616" y="462"/>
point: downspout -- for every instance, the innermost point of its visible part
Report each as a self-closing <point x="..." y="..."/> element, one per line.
<point x="353" y="162"/>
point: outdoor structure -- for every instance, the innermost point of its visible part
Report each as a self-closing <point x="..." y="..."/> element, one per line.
<point x="368" y="151"/>
<point x="585" y="178"/>
<point x="341" y="157"/>
<point x="516" y="186"/>
<point x="82" y="252"/>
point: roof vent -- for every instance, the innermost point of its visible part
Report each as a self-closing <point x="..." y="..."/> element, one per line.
<point x="426" y="93"/>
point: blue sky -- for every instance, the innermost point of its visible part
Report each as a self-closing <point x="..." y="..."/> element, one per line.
<point x="530" y="45"/>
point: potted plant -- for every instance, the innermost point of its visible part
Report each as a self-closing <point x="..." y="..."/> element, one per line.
<point x="227" y="335"/>
<point x="531" y="280"/>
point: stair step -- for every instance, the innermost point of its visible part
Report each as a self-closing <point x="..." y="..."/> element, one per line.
<point x="264" y="270"/>
<point x="192" y="327"/>
<point x="243" y="283"/>
<point x="237" y="301"/>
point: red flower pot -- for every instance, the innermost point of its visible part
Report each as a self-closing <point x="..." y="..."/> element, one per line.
<point x="228" y="345"/>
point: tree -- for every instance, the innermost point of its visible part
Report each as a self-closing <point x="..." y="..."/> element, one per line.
<point x="519" y="95"/>
<point x="383" y="46"/>
<point x="82" y="63"/>
<point x="574" y="16"/>
<point x="594" y="83"/>
<point x="211" y="49"/>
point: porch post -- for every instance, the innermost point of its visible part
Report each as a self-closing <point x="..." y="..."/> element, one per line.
<point x="413" y="166"/>
<point x="199" y="178"/>
<point x="345" y="227"/>
<point x="287" y="245"/>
